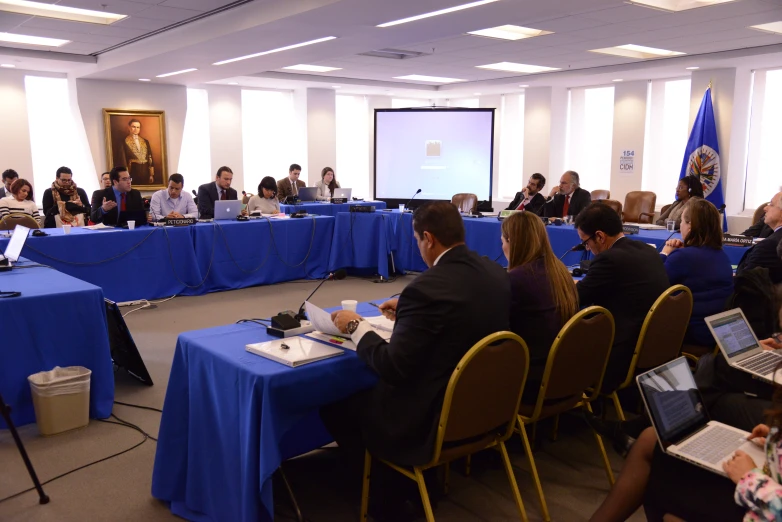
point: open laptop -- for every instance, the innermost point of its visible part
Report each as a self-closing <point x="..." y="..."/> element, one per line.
<point x="342" y="193"/>
<point x="682" y="425"/>
<point x="13" y="250"/>
<point x="308" y="193"/>
<point x="227" y="209"/>
<point x="740" y="346"/>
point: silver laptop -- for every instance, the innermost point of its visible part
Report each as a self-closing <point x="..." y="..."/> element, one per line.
<point x="740" y="346"/>
<point x="227" y="209"/>
<point x="343" y="193"/>
<point x="13" y="250"/>
<point x="308" y="193"/>
<point x="682" y="425"/>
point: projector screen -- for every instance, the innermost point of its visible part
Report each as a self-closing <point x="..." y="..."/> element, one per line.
<point x="441" y="151"/>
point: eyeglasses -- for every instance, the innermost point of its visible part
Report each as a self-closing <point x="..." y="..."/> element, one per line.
<point x="583" y="244"/>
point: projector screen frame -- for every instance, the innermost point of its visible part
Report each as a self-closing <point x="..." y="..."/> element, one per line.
<point x="395" y="202"/>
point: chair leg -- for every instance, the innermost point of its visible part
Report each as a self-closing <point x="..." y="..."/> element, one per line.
<point x="606" y="462"/>
<point x="419" y="477"/>
<point x="365" y="487"/>
<point x="512" y="479"/>
<point x="555" y="428"/>
<point x="467" y="465"/>
<point x="534" y="469"/>
<point x="618" y="406"/>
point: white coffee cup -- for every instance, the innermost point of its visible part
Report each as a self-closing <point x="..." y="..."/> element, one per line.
<point x="66" y="229"/>
<point x="350" y="305"/>
<point x="401" y="207"/>
<point x="131" y="225"/>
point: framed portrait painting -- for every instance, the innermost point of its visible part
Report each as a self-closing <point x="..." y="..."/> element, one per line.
<point x="137" y="140"/>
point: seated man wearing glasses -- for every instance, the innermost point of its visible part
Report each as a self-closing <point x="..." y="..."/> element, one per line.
<point x="66" y="200"/>
<point x="626" y="277"/>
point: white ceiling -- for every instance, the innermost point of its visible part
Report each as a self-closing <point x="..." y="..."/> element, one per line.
<point x="704" y="34"/>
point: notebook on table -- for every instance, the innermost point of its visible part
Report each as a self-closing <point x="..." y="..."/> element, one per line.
<point x="739" y="344"/>
<point x="681" y="423"/>
<point x="294" y="351"/>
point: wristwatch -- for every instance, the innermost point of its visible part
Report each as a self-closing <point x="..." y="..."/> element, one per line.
<point x="353" y="325"/>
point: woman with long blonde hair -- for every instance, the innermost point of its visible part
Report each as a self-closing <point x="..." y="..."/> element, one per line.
<point x="543" y="295"/>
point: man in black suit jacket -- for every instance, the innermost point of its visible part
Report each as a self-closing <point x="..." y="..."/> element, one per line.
<point x="530" y="198"/>
<point x="568" y="199"/>
<point x="626" y="277"/>
<point x="765" y="253"/>
<point x="759" y="229"/>
<point x="438" y="317"/>
<point x="220" y="189"/>
<point x="110" y="210"/>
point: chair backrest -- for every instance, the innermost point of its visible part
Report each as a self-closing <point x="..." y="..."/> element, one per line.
<point x="665" y="208"/>
<point x="759" y="213"/>
<point x="465" y="202"/>
<point x="614" y="204"/>
<point x="246" y="197"/>
<point x="600" y="194"/>
<point x="639" y="206"/>
<point x="662" y="333"/>
<point x="10" y="221"/>
<point x="578" y="358"/>
<point x="484" y="391"/>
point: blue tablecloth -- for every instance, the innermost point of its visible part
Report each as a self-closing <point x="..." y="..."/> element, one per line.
<point x="230" y="418"/>
<point x="329" y="209"/>
<point x="57" y="321"/>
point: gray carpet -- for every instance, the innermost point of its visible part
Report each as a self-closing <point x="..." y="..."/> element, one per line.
<point x="119" y="488"/>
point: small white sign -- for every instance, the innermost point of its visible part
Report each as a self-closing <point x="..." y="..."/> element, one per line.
<point x="627" y="162"/>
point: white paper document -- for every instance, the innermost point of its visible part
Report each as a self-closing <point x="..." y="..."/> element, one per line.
<point x="99" y="226"/>
<point x="381" y="323"/>
<point x="321" y="320"/>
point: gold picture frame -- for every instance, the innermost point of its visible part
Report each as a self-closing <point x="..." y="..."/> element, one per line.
<point x="146" y="158"/>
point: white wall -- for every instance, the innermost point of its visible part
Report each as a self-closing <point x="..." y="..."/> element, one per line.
<point x="374" y="102"/>
<point x="629" y="125"/>
<point x="15" y="150"/>
<point x="225" y="132"/>
<point x="322" y="129"/>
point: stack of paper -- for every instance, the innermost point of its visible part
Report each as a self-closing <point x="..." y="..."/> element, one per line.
<point x="99" y="226"/>
<point x="328" y="332"/>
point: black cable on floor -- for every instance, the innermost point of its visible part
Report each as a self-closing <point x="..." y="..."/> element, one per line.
<point x="138" y="406"/>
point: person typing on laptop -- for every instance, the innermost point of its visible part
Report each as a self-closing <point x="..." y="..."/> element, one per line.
<point x="218" y="190"/>
<point x="118" y="199"/>
<point x="328" y="182"/>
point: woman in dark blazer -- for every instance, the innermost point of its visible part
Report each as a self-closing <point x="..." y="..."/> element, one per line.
<point x="698" y="262"/>
<point x="543" y="296"/>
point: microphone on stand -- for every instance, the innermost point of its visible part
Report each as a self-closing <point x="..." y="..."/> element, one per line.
<point x="578" y="248"/>
<point x="411" y="199"/>
<point x="334" y="276"/>
<point x="194" y="193"/>
<point x="288" y="323"/>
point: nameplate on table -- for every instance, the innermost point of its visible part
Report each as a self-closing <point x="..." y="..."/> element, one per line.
<point x="339" y="201"/>
<point x="362" y="208"/>
<point x="180" y="222"/>
<point x="630" y="229"/>
<point x="737" y="240"/>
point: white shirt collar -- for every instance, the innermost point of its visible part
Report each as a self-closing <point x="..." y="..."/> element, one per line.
<point x="441" y="255"/>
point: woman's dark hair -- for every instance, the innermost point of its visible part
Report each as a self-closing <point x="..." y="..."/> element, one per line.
<point x="694" y="186"/>
<point x="267" y="183"/>
<point x="705" y="224"/>
<point x="333" y="183"/>
<point x="17" y="185"/>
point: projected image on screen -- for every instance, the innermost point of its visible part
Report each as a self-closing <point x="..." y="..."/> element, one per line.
<point x="441" y="152"/>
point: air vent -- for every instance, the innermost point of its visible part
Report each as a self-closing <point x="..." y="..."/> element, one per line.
<point x="394" y="54"/>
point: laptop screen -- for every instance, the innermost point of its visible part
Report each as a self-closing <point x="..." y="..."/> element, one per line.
<point x="673" y="401"/>
<point x="733" y="334"/>
<point x="14" y="247"/>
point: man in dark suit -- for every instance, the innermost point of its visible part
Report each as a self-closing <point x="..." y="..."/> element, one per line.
<point x="626" y="277"/>
<point x="9" y="176"/>
<point x="290" y="186"/>
<point x="437" y="320"/>
<point x="568" y="199"/>
<point x="118" y="198"/>
<point x="759" y="229"/>
<point x="220" y="189"/>
<point x="97" y="196"/>
<point x="765" y="253"/>
<point x="530" y="198"/>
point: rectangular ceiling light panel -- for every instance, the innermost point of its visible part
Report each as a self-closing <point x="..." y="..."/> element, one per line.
<point x="437" y="13"/>
<point x="60" y="12"/>
<point x="677" y="5"/>
<point x="637" y="51"/>
<point x="517" y="67"/>
<point x="509" y="32"/>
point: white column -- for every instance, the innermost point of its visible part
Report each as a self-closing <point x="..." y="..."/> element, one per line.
<point x="628" y="135"/>
<point x="15" y="131"/>
<point x="225" y="133"/>
<point x="321" y="132"/>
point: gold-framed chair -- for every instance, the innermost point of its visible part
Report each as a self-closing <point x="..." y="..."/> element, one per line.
<point x="661" y="337"/>
<point x="465" y="202"/>
<point x="479" y="412"/>
<point x="600" y="194"/>
<point x="576" y="363"/>
<point x="10" y="221"/>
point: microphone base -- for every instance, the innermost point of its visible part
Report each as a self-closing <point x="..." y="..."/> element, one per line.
<point x="305" y="328"/>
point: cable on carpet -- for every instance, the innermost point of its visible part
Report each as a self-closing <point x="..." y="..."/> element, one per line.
<point x="138" y="406"/>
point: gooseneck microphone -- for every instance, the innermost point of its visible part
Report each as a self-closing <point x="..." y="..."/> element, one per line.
<point x="411" y="199"/>
<point x="334" y="276"/>
<point x="194" y="193"/>
<point x="578" y="248"/>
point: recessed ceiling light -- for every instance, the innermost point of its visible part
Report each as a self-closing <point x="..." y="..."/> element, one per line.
<point x="437" y="13"/>
<point x="772" y="27"/>
<point x="692" y="68"/>
<point x="516" y="67"/>
<point x="59" y="12"/>
<point x="336" y="86"/>
<point x="431" y="79"/>
<point x="144" y="80"/>
<point x="32" y="40"/>
<point x="312" y="68"/>
<point x="509" y="32"/>
<point x="476" y="94"/>
<point x="183" y="71"/>
<point x="525" y="85"/>
<point x="617" y="80"/>
<point x="636" y="51"/>
<point x="7" y="65"/>
<point x="677" y="5"/>
<point x="287" y="47"/>
<point x="233" y="83"/>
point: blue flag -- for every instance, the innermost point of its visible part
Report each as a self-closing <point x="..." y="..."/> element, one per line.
<point x="702" y="156"/>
